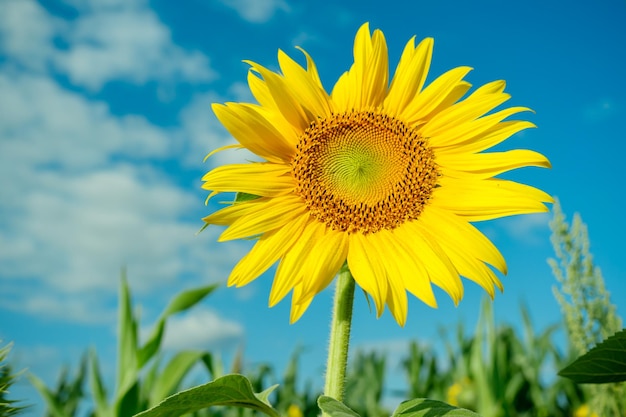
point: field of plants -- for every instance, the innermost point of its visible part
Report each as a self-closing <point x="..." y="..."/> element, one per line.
<point x="494" y="370"/>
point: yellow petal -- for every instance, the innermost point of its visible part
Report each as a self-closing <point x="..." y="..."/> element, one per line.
<point x="272" y="214"/>
<point x="283" y="97"/>
<point x="414" y="275"/>
<point x="392" y="258"/>
<point x="367" y="268"/>
<point x="262" y="179"/>
<point x="299" y="304"/>
<point x="451" y="227"/>
<point x="410" y="75"/>
<point x="454" y="117"/>
<point x="313" y="98"/>
<point x="436" y="93"/>
<point x="478" y="200"/>
<point x="269" y="248"/>
<point x="290" y="271"/>
<point x="440" y="269"/>
<point x="481" y="133"/>
<point x="487" y="165"/>
<point x="254" y="132"/>
<point x="365" y="84"/>
<point x="328" y="253"/>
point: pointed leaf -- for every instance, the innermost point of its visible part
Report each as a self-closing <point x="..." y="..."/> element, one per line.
<point x="128" y="369"/>
<point x="604" y="363"/>
<point x="335" y="408"/>
<point x="423" y="407"/>
<point x="173" y="373"/>
<point x="264" y="395"/>
<point x="188" y="299"/>
<point x="98" y="390"/>
<point x="183" y="301"/>
<point x="230" y="390"/>
<point x="53" y="407"/>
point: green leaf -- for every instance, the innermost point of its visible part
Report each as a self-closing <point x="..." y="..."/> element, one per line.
<point x="423" y="407"/>
<point x="97" y="387"/>
<point x="187" y="299"/>
<point x="173" y="373"/>
<point x="230" y="390"/>
<point x="243" y="197"/>
<point x="335" y="408"/>
<point x="183" y="301"/>
<point x="127" y="344"/>
<point x="604" y="363"/>
<point x="53" y="407"/>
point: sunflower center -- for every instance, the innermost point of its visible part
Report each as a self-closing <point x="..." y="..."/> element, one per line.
<point x="363" y="171"/>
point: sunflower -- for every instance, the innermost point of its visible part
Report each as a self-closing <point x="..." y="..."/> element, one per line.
<point x="385" y="177"/>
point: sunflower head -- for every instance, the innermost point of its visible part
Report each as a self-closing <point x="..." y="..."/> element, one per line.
<point x="384" y="176"/>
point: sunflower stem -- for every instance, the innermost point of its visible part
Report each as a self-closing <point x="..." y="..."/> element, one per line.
<point x="339" y="342"/>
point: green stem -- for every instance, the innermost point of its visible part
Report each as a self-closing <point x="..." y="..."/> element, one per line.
<point x="339" y="335"/>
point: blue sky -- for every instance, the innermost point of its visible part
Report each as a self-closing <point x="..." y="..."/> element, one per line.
<point x="105" y="119"/>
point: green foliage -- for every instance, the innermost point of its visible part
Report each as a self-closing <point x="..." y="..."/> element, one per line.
<point x="8" y="407"/>
<point x="603" y="364"/>
<point x="230" y="390"/>
<point x="335" y="408"/>
<point x="589" y="315"/>
<point x="133" y="393"/>
<point x="423" y="407"/>
<point x="364" y="384"/>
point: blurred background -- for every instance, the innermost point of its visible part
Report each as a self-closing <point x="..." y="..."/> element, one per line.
<point x="105" y="119"/>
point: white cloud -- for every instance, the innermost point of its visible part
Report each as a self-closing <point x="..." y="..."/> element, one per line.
<point x="110" y="40"/>
<point x="130" y="45"/>
<point x="27" y="32"/>
<point x="201" y="328"/>
<point x="257" y="11"/>
<point x="40" y="123"/>
<point x="529" y="228"/>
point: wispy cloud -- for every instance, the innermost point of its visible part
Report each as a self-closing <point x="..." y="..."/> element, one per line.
<point x="257" y="11"/>
<point x="201" y="328"/>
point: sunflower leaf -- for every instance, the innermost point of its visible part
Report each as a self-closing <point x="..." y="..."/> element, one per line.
<point x="335" y="408"/>
<point x="230" y="390"/>
<point x="243" y="197"/>
<point x="423" y="407"/>
<point x="602" y="364"/>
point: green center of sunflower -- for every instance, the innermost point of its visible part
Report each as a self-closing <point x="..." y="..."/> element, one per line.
<point x="363" y="171"/>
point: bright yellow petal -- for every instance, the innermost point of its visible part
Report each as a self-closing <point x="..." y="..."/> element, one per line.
<point x="440" y="269"/>
<point x="367" y="268"/>
<point x="311" y="68"/>
<point x="463" y="253"/>
<point x="415" y="276"/>
<point x="254" y="132"/>
<point x="452" y="227"/>
<point x="365" y="84"/>
<point x="299" y="304"/>
<point x="481" y="133"/>
<point x="283" y="97"/>
<point x="313" y="98"/>
<point x="391" y="259"/>
<point x="262" y="179"/>
<point x="478" y="200"/>
<point x="487" y="165"/>
<point x="410" y="75"/>
<point x="456" y="116"/>
<point x="435" y="94"/>
<point x="290" y="271"/>
<point x="328" y="253"/>
<point x="269" y="248"/>
<point x="272" y="214"/>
